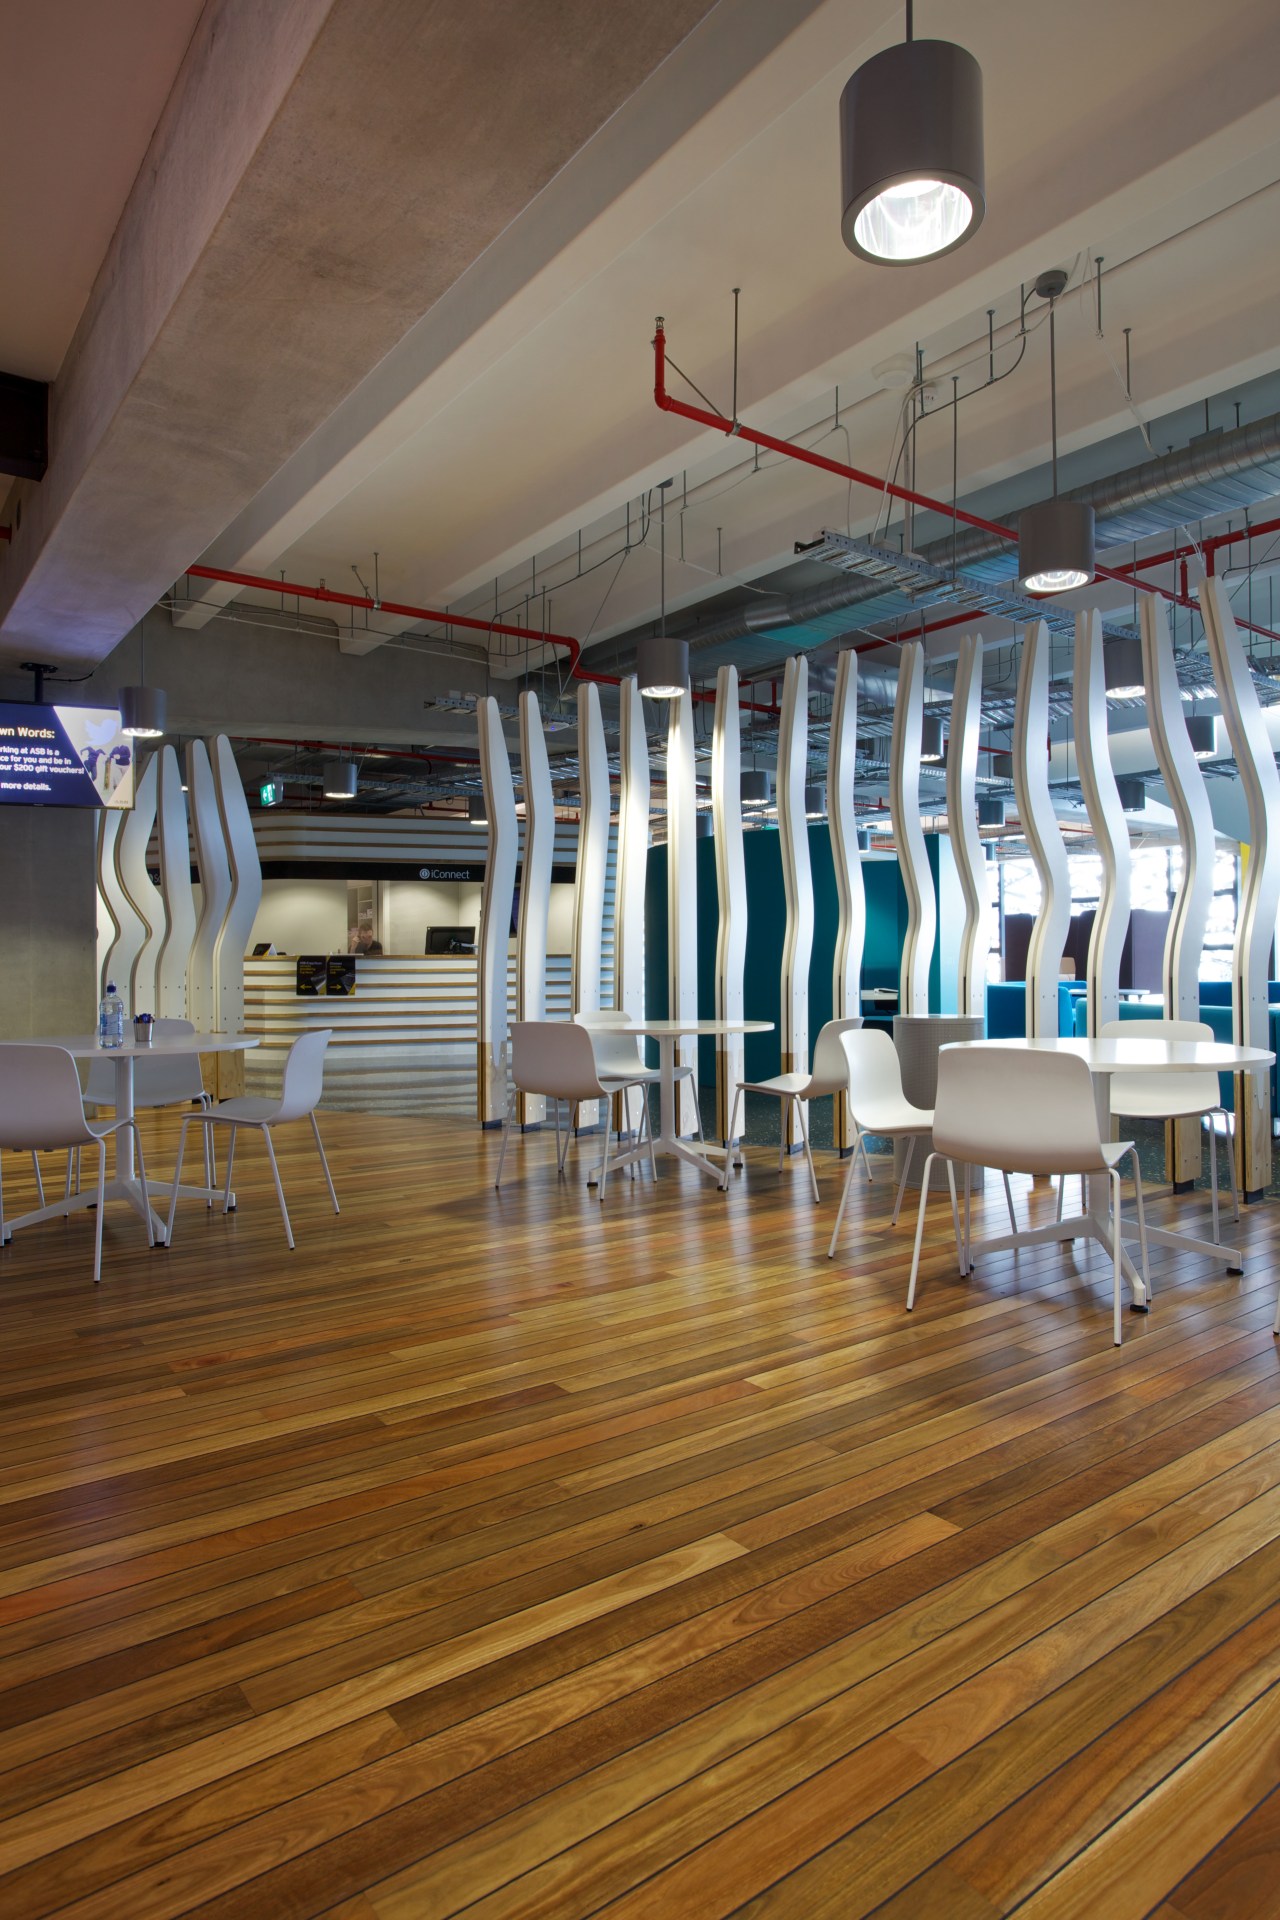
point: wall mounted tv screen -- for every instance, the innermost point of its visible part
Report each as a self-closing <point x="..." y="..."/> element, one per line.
<point x="64" y="757"/>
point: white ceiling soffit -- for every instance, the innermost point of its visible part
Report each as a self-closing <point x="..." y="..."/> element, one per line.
<point x="81" y="88"/>
<point x="474" y="448"/>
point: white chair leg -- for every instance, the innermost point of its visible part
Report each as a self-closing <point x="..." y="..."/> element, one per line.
<point x="844" y="1200"/>
<point x="1231" y="1164"/>
<point x="275" y="1175"/>
<point x="555" y="1117"/>
<point x="925" y="1178"/>
<point x="728" y="1145"/>
<point x="1213" y="1183"/>
<point x="210" y="1164"/>
<point x="102" y="1207"/>
<point x="604" y="1165"/>
<point x="1140" y="1205"/>
<point x="1062" y="1193"/>
<point x="571" y="1121"/>
<point x="955" y="1212"/>
<point x="4" y="1237"/>
<point x="966" y="1265"/>
<point x="860" y="1147"/>
<point x="808" y="1152"/>
<point x="328" y="1177"/>
<point x="35" y="1167"/>
<point x="177" y="1179"/>
<point x="507" y="1118"/>
<point x="902" y="1184"/>
<point x="231" y="1161"/>
<point x="1116" y="1330"/>
<point x="1008" y="1201"/>
<point x="72" y="1156"/>
<point x="142" y="1182"/>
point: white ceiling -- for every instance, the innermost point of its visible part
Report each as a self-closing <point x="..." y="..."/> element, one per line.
<point x="82" y="84"/>
<point x="1102" y="136"/>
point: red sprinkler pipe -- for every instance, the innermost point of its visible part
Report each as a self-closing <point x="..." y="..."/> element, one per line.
<point x="395" y="607"/>
<point x="717" y="421"/>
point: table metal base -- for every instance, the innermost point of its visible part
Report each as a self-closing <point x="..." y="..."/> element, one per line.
<point x="1081" y="1226"/>
<point x="130" y="1191"/>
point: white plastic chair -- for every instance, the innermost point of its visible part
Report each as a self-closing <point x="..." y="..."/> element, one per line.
<point x="1173" y="1096"/>
<point x="830" y="1075"/>
<point x="878" y="1106"/>
<point x="163" y="1080"/>
<point x="42" y="1110"/>
<point x="300" y="1090"/>
<point x="556" y="1060"/>
<point x="1024" y="1112"/>
<point x="616" y="1045"/>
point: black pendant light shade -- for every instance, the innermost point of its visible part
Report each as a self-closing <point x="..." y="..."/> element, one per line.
<point x="477" y="812"/>
<point x="911" y="153"/>
<point x="1122" y="669"/>
<point x="1055" y="546"/>
<point x="990" y="811"/>
<point x="1133" y="794"/>
<point x="931" y="754"/>
<point x="662" y="666"/>
<point x="1203" y="735"/>
<point x="143" y="712"/>
<point x="341" y="779"/>
<point x="815" y="802"/>
<point x="756" y="789"/>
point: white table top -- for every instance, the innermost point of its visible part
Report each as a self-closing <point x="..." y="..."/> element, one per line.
<point x="673" y="1029"/>
<point x="84" y="1046"/>
<point x="1143" y="1056"/>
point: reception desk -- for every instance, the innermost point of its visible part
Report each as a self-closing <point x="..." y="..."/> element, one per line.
<point x="404" y="1042"/>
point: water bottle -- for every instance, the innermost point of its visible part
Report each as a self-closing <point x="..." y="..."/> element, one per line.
<point x="111" y="1018"/>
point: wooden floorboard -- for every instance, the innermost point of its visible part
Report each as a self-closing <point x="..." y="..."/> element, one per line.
<point x="511" y="1554"/>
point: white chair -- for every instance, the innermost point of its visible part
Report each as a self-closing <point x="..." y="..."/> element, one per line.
<point x="300" y="1089"/>
<point x="1024" y="1112"/>
<point x="1173" y="1096"/>
<point x="163" y="1080"/>
<point x="556" y="1060"/>
<point x="616" y="1044"/>
<point x="830" y="1075"/>
<point x="42" y="1110"/>
<point x="879" y="1107"/>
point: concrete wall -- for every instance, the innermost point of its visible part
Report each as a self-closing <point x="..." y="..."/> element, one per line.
<point x="47" y="907"/>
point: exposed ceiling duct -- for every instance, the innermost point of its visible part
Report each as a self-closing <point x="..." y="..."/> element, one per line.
<point x="1201" y="480"/>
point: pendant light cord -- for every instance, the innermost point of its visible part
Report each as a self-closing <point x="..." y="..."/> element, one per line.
<point x="911" y="25"/>
<point x="1053" y="395"/>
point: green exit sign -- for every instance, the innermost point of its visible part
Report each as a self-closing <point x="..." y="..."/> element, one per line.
<point x="271" y="793"/>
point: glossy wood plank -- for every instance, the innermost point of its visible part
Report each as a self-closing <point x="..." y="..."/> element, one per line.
<point x="522" y="1555"/>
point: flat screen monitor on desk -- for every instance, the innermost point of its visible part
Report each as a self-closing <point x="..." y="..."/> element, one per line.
<point x="451" y="939"/>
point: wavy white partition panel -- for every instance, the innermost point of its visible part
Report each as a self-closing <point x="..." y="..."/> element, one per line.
<point x="962" y="826"/>
<point x="593" y="851"/>
<point x="731" y="888"/>
<point x="682" y="895"/>
<point x="1189" y="797"/>
<point x="1260" y="887"/>
<point x="246" y="886"/>
<point x="913" y="858"/>
<point x="1106" y="817"/>
<point x="496" y="895"/>
<point x="633" y="862"/>
<point x="851" y="925"/>
<point x="1044" y="836"/>
<point x="114" y="910"/>
<point x="174" y="840"/>
<point x="535" y="883"/>
<point x="797" y="879"/>
<point x="214" y="870"/>
<point x="135" y="877"/>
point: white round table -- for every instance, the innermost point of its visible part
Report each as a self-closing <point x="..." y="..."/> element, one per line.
<point x="1103" y="1058"/>
<point x="667" y="1140"/>
<point x="126" y="1185"/>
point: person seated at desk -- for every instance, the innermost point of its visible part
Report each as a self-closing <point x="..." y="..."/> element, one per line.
<point x="361" y="939"/>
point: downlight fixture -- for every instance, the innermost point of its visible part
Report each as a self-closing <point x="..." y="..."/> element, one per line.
<point x="1055" y="537"/>
<point x="477" y="811"/>
<point x="931" y="753"/>
<point x="143" y="712"/>
<point x="911" y="158"/>
<point x="1203" y="735"/>
<point x="1133" y="794"/>
<point x="1122" y="670"/>
<point x="815" y="802"/>
<point x="991" y="811"/>
<point x="341" y="778"/>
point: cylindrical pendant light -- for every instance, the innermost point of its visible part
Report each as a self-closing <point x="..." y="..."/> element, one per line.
<point x="1132" y="792"/>
<point x="990" y="810"/>
<point x="931" y="754"/>
<point x="1203" y="735"/>
<point x="704" y="826"/>
<point x="1002" y="767"/>
<point x="756" y="789"/>
<point x="864" y="839"/>
<point x="911" y="155"/>
<point x="815" y="802"/>
<point x="143" y="712"/>
<point x="341" y="778"/>
<point x="1122" y="670"/>
<point x="1055" y="538"/>
<point x="477" y="811"/>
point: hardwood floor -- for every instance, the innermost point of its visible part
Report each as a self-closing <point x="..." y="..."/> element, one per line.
<point x="515" y="1555"/>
